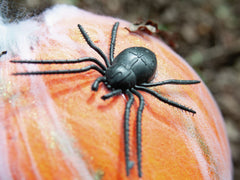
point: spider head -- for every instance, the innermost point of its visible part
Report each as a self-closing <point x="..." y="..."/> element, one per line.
<point x="120" y="77"/>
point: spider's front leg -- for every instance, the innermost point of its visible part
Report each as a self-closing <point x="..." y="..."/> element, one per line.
<point x="96" y="83"/>
<point x="129" y="164"/>
<point x="139" y="130"/>
<point x="112" y="93"/>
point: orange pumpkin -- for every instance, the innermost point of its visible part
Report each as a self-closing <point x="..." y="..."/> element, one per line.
<point x="55" y="127"/>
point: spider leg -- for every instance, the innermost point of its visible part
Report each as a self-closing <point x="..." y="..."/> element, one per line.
<point x="170" y="81"/>
<point x="93" y="46"/>
<point x="165" y="100"/>
<point x="129" y="164"/>
<point x="2" y="53"/>
<point x="111" y="94"/>
<point x="139" y="130"/>
<point x="113" y="40"/>
<point x="71" y="61"/>
<point x="97" y="82"/>
<point x="65" y="71"/>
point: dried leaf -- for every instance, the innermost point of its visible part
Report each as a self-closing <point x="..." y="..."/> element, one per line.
<point x="151" y="28"/>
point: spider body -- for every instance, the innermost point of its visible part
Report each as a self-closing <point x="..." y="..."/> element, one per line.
<point x="132" y="66"/>
<point x="131" y="71"/>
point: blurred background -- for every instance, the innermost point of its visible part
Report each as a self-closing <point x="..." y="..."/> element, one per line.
<point x="206" y="33"/>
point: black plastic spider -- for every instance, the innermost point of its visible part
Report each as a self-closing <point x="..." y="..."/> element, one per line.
<point x="128" y="72"/>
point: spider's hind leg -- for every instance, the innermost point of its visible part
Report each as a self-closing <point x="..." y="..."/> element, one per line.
<point x="165" y="100"/>
<point x="113" y="41"/>
<point x="171" y="81"/>
<point x="93" y="46"/>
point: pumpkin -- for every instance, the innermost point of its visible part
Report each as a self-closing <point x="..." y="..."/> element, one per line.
<point x="55" y="127"/>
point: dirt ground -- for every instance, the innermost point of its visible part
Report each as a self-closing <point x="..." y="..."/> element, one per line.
<point x="206" y="34"/>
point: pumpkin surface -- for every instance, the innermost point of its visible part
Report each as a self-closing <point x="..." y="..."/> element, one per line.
<point x="55" y="127"/>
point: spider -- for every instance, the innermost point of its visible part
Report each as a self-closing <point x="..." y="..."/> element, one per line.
<point x="130" y="71"/>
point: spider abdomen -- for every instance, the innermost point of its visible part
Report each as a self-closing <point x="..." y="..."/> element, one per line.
<point x="132" y="66"/>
